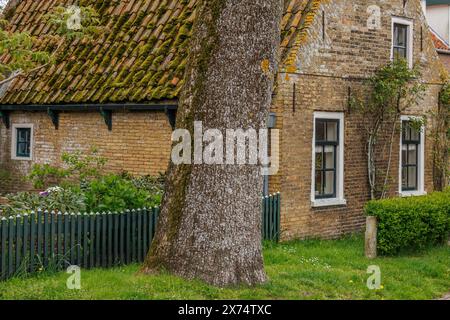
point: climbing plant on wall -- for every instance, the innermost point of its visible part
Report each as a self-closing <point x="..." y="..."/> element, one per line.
<point x="441" y="138"/>
<point x="381" y="102"/>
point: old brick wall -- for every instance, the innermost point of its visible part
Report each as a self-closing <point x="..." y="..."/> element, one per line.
<point x="138" y="143"/>
<point x="327" y="66"/>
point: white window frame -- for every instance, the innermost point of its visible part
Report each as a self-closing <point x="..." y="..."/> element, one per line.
<point x="421" y="166"/>
<point x="410" y="24"/>
<point x="339" y="200"/>
<point x="14" y="141"/>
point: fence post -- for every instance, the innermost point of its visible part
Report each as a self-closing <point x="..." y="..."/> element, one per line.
<point x="371" y="238"/>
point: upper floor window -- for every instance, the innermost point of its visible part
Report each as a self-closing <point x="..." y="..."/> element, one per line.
<point x="402" y="40"/>
<point x="411" y="158"/>
<point x="328" y="159"/>
<point x="22" y="140"/>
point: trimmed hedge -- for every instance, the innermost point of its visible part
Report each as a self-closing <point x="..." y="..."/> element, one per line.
<point x="411" y="223"/>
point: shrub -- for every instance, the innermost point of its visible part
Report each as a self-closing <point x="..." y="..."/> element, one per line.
<point x="114" y="193"/>
<point x="54" y="199"/>
<point x="411" y="223"/>
<point x="77" y="168"/>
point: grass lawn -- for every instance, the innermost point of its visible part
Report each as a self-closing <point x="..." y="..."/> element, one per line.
<point x="297" y="270"/>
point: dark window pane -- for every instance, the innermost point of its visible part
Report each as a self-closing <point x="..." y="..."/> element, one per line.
<point x="400" y="35"/>
<point x="320" y="130"/>
<point x="23" y="142"/>
<point x="319" y="160"/>
<point x="404" y="155"/>
<point x="318" y="183"/>
<point x="404" y="178"/>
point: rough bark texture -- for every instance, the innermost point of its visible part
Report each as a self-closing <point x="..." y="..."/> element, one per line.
<point x="209" y="227"/>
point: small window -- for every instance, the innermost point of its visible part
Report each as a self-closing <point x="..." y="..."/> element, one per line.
<point x="327" y="142"/>
<point x="328" y="158"/>
<point x="400" y="41"/>
<point x="22" y="142"/>
<point x="411" y="159"/>
<point x="402" y="46"/>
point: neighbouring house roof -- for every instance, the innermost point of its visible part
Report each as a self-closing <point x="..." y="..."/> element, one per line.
<point x="440" y="44"/>
<point x="141" y="56"/>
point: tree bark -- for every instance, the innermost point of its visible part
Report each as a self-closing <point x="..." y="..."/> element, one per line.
<point x="210" y="223"/>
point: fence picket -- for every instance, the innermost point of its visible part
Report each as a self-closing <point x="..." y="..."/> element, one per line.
<point x="133" y="237"/>
<point x="91" y="240"/>
<point x="110" y="237"/>
<point x="116" y="238"/>
<point x="25" y="234"/>
<point x="4" y="253"/>
<point x="144" y="233"/>
<point x="10" y="246"/>
<point x="18" y="242"/>
<point x="32" y="241"/>
<point x="79" y="241"/>
<point x="139" y="235"/>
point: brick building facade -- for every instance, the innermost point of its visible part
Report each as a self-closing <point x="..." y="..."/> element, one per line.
<point x="328" y="47"/>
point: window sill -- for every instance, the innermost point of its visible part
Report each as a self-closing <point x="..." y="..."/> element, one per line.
<point x="328" y="203"/>
<point x="405" y="194"/>
<point x="21" y="159"/>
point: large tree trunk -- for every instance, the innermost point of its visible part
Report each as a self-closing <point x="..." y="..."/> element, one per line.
<point x="210" y="223"/>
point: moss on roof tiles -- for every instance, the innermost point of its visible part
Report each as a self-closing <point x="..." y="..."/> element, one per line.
<point x="140" y="57"/>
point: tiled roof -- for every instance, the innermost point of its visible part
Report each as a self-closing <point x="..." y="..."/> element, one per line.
<point x="439" y="43"/>
<point x="140" y="57"/>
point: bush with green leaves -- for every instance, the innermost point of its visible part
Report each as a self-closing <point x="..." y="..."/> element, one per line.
<point x="78" y="168"/>
<point x="54" y="199"/>
<point x="411" y="224"/>
<point x="115" y="193"/>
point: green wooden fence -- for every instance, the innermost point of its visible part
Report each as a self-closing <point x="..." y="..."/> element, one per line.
<point x="47" y="240"/>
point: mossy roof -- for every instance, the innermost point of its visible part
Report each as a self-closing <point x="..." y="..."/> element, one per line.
<point x="140" y="57"/>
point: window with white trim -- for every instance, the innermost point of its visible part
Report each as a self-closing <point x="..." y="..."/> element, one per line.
<point x="327" y="186"/>
<point x="412" y="155"/>
<point x="22" y="142"/>
<point x="402" y="40"/>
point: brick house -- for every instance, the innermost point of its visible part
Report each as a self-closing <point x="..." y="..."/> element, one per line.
<point x="120" y="94"/>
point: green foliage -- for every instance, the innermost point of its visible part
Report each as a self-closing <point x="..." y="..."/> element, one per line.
<point x="19" y="46"/>
<point x="75" y="22"/>
<point x="154" y="185"/>
<point x="25" y="51"/>
<point x="411" y="223"/>
<point x="77" y="168"/>
<point x="392" y="89"/>
<point x="114" y="193"/>
<point x="81" y="185"/>
<point x="55" y="199"/>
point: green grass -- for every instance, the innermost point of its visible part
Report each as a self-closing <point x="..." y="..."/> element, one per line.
<point x="298" y="270"/>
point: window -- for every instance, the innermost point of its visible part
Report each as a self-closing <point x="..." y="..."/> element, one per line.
<point x="402" y="40"/>
<point x="22" y="141"/>
<point x="411" y="159"/>
<point x="328" y="158"/>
